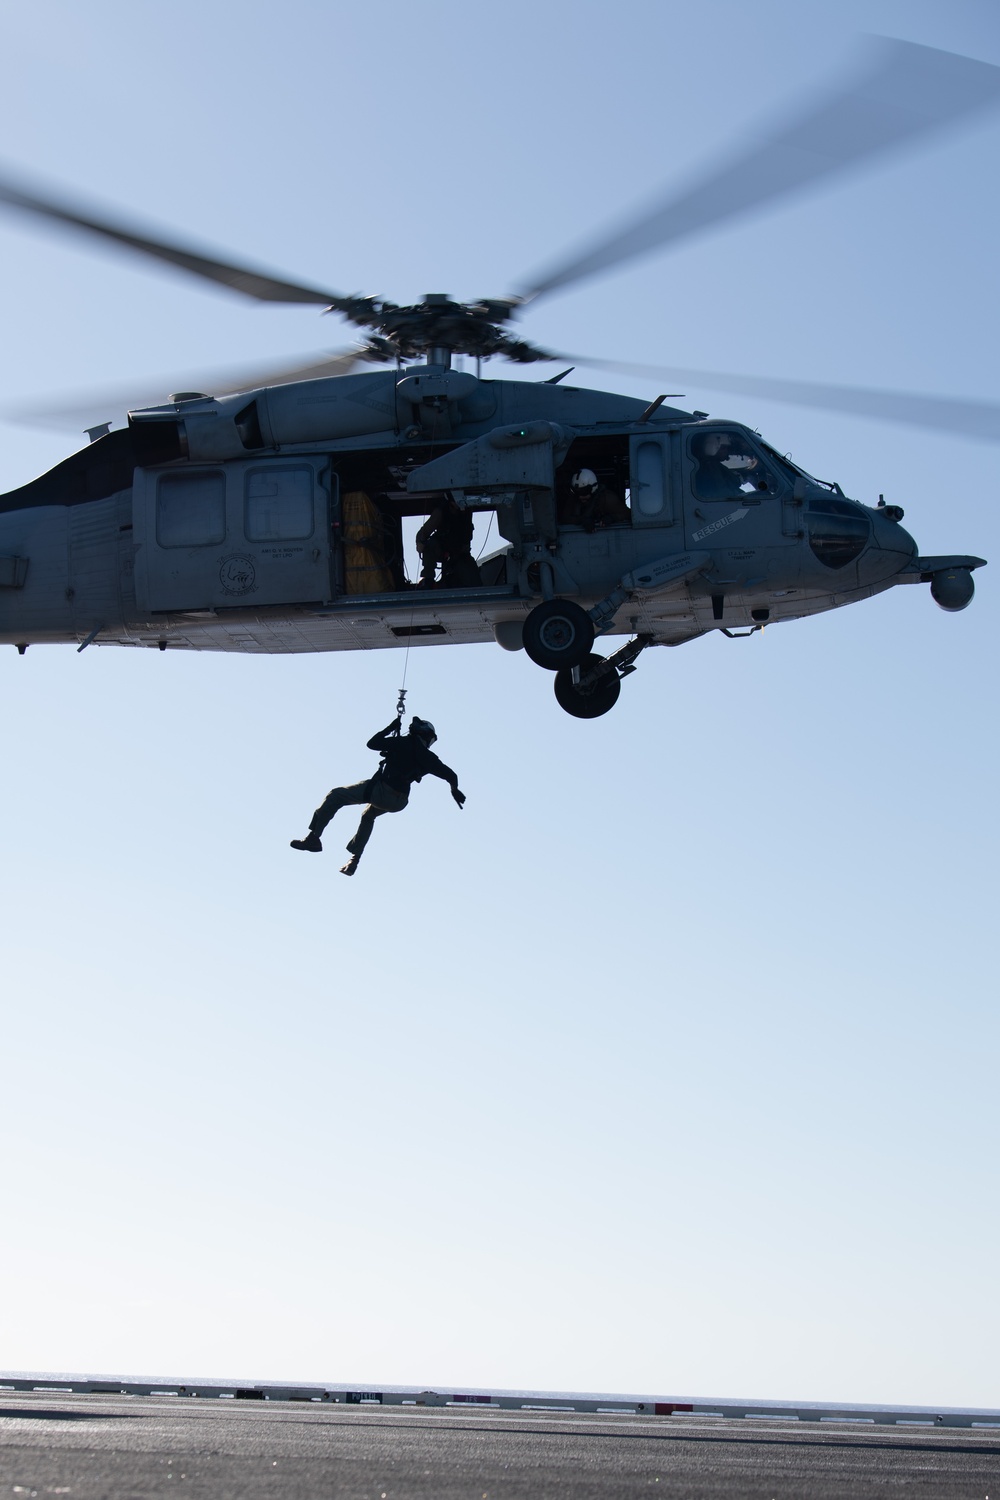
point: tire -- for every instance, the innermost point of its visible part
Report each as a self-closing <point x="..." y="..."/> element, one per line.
<point x="558" y="634"/>
<point x="587" y="705"/>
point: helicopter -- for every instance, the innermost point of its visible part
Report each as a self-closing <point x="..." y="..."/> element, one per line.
<point x="267" y="514"/>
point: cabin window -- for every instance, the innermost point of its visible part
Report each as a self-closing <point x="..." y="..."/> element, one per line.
<point x="191" y="509"/>
<point x="279" y="504"/>
<point x="650" y="479"/>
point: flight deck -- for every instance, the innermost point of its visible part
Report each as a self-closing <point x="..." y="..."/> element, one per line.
<point x="256" y="1441"/>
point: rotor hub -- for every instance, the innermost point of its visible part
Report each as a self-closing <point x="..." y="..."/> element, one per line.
<point x="437" y="326"/>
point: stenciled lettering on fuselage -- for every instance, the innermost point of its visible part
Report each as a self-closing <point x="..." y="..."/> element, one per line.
<point x="281" y="554"/>
<point x="734" y="515"/>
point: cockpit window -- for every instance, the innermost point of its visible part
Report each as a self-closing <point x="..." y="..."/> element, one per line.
<point x="727" y="465"/>
<point x="790" y="470"/>
<point x="784" y="465"/>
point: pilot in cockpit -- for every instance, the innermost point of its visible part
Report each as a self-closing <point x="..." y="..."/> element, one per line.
<point x="726" y="466"/>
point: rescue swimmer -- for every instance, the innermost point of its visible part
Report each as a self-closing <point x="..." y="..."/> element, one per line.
<point x="405" y="759"/>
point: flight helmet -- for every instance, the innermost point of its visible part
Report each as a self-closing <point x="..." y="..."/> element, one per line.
<point x="424" y="730"/>
<point x="584" y="483"/>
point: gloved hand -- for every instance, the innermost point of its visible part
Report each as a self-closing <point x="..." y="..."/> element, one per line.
<point x="458" y="796"/>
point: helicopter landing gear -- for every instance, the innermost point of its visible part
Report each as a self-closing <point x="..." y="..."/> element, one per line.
<point x="591" y="689"/>
<point x="558" y="635"/>
<point x="592" y="701"/>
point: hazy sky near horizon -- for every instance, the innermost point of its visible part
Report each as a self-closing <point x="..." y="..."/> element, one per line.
<point x="670" y="1064"/>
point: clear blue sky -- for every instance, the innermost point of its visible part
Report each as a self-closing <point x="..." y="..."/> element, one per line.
<point x="670" y="1064"/>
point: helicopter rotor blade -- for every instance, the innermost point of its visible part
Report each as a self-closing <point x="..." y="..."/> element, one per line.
<point x="79" y="411"/>
<point x="951" y="414"/>
<point x="260" y="285"/>
<point x="902" y="91"/>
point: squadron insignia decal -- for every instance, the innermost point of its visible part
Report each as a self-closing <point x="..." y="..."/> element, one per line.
<point x="238" y="575"/>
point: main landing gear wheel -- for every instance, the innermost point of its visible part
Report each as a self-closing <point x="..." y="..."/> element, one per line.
<point x="591" y="705"/>
<point x="558" y="634"/>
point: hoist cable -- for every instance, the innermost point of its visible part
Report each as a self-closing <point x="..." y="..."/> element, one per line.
<point x="401" y="700"/>
<point x="487" y="536"/>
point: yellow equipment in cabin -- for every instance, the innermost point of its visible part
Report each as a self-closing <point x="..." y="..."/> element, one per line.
<point x="365" y="570"/>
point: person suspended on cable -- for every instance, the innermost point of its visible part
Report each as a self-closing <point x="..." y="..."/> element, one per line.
<point x="405" y="759"/>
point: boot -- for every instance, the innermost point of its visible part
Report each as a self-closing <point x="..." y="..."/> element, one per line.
<point x="310" y="842"/>
<point x="350" y="867"/>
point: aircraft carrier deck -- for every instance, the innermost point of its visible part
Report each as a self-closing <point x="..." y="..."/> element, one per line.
<point x="108" y="1440"/>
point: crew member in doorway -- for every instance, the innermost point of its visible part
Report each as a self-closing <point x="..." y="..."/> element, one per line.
<point x="405" y="759"/>
<point x="445" y="541"/>
<point x="594" y="504"/>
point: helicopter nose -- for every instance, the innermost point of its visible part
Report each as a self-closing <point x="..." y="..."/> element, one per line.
<point x="889" y="536"/>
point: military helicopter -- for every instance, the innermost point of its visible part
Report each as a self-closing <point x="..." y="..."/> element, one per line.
<point x="267" y="514"/>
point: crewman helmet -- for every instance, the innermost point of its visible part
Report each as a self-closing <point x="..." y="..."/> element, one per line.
<point x="584" y="483"/>
<point x="424" y="730"/>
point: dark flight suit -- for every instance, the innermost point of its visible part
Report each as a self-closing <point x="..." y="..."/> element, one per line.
<point x="713" y="481"/>
<point x="603" y="508"/>
<point x="445" y="541"/>
<point x="405" y="759"/>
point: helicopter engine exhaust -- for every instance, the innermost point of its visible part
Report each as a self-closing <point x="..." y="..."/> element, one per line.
<point x="953" y="588"/>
